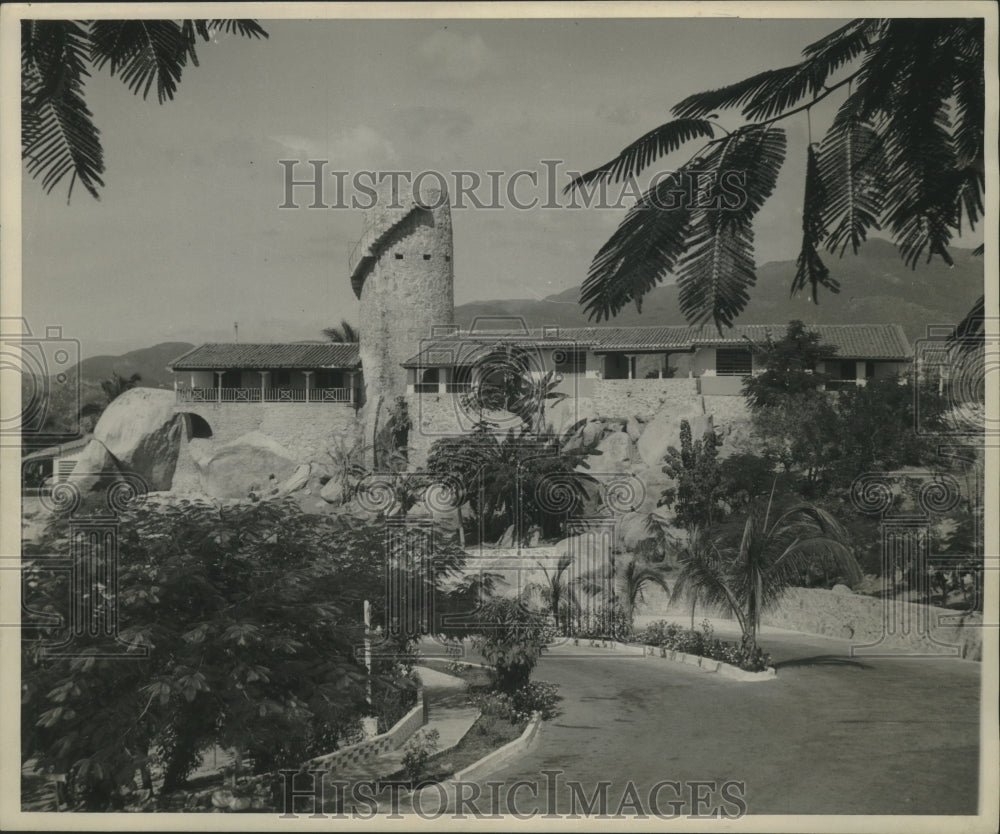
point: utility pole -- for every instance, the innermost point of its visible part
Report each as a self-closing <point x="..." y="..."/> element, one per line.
<point x="370" y="721"/>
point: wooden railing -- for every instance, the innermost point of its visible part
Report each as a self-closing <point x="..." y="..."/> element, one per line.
<point x="268" y="395"/>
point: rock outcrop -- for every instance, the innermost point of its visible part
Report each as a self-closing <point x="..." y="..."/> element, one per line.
<point x="143" y="434"/>
<point x="251" y="464"/>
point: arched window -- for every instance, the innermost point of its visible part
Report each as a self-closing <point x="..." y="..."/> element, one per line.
<point x="197" y="426"/>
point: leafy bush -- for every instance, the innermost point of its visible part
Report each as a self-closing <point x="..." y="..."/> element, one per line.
<point x="702" y="642"/>
<point x="250" y="615"/>
<point x="511" y="638"/>
<point x="518" y="706"/>
<point x="418" y="750"/>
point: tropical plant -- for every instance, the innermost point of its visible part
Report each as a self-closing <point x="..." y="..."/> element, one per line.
<point x="512" y="638"/>
<point x="418" y="750"/>
<point x="904" y="153"/>
<point x="771" y="557"/>
<point x="626" y="580"/>
<point x="249" y="616"/>
<point x="695" y="468"/>
<point x="344" y="333"/>
<point x="58" y="135"/>
<point x="558" y="592"/>
<point x="111" y="388"/>
<point x="514" y="480"/>
<point x="788" y="367"/>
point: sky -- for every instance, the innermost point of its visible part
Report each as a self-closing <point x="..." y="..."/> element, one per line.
<point x="188" y="236"/>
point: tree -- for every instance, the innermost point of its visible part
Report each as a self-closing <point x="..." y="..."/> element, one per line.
<point x="788" y="367"/>
<point x="514" y="480"/>
<point x="904" y="154"/>
<point x="344" y="333"/>
<point x="512" y="638"/>
<point x="58" y="135"/>
<point x="699" y="479"/>
<point x="770" y="558"/>
<point x="251" y="616"/>
<point x="113" y="387"/>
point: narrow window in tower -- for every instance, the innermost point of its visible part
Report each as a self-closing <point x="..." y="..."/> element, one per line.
<point x="447" y="258"/>
<point x="427" y="257"/>
<point x="399" y="256"/>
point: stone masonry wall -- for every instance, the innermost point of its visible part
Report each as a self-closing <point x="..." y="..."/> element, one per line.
<point x="641" y="398"/>
<point x="307" y="430"/>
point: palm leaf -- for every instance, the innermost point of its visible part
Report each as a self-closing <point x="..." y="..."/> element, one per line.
<point x="641" y="252"/>
<point x="633" y="159"/>
<point x="244" y="28"/>
<point x="810" y="268"/>
<point x="718" y="268"/>
<point x="849" y="165"/>
<point x="141" y="53"/>
<point x="58" y="136"/>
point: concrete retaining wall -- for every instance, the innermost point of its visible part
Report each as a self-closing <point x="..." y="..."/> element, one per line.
<point x="912" y="628"/>
<point x="377" y="745"/>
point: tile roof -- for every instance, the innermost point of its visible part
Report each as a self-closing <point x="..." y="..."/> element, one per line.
<point x="220" y="356"/>
<point x="853" y="341"/>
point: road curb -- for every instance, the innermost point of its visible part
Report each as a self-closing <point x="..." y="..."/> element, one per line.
<point x="502" y="755"/>
<point x="705" y="664"/>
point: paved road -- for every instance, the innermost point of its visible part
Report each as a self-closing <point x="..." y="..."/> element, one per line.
<point x="829" y="735"/>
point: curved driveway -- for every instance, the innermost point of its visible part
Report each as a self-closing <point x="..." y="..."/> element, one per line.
<point x="830" y="735"/>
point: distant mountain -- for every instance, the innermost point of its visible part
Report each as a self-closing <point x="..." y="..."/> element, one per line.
<point x="150" y="363"/>
<point x="876" y="287"/>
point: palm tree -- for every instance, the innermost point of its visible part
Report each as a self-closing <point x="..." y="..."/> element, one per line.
<point x="905" y="153"/>
<point x="770" y="558"/>
<point x="116" y="385"/>
<point x="345" y="333"/>
<point x="624" y="584"/>
<point x="557" y="592"/>
<point x="58" y="135"/>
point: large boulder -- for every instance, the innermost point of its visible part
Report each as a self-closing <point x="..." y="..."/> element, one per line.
<point x="143" y="433"/>
<point x="617" y="452"/>
<point x="251" y="464"/>
<point x="95" y="468"/>
<point x="561" y="416"/>
<point x="664" y="430"/>
<point x="654" y="481"/>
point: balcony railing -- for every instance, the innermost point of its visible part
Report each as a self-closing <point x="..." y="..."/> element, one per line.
<point x="267" y="395"/>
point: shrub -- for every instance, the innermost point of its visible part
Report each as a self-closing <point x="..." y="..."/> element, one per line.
<point x="702" y="642"/>
<point x="512" y="639"/>
<point x="418" y="750"/>
<point x="536" y="697"/>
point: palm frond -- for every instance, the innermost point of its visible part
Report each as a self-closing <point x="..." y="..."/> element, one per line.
<point x="810" y="268"/>
<point x="244" y="28"/>
<point x="58" y="136"/>
<point x="633" y="159"/>
<point x="641" y="252"/>
<point x="850" y="164"/>
<point x="141" y="53"/>
<point x="717" y="268"/>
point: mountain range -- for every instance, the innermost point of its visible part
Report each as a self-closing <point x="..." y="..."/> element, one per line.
<point x="876" y="287"/>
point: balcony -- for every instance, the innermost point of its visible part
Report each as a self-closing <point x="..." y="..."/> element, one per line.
<point x="267" y="395"/>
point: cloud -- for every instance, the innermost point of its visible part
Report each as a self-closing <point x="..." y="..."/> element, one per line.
<point x="419" y="121"/>
<point x="355" y="147"/>
<point x="455" y="56"/>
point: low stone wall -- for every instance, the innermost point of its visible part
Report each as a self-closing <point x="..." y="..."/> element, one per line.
<point x="307" y="429"/>
<point x="641" y="398"/>
<point x="375" y="746"/>
<point x="912" y="629"/>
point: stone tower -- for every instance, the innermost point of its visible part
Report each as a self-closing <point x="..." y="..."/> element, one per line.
<point x="401" y="270"/>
